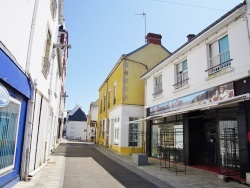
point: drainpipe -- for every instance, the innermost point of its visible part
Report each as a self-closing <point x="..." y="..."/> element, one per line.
<point x="31" y="103"/>
<point x="247" y="24"/>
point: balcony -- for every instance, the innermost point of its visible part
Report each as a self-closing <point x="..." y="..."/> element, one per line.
<point x="181" y="79"/>
<point x="157" y="90"/>
<point x="219" y="62"/>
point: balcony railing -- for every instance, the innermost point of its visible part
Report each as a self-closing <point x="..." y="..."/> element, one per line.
<point x="219" y="62"/>
<point x="157" y="90"/>
<point x="181" y="79"/>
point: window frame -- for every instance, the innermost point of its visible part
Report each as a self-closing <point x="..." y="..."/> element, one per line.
<point x="157" y="85"/>
<point x="46" y="58"/>
<point x="221" y="59"/>
<point x="114" y="93"/>
<point x="12" y="165"/>
<point x="181" y="75"/>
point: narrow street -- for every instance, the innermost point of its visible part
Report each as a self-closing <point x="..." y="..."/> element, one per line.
<point x="81" y="170"/>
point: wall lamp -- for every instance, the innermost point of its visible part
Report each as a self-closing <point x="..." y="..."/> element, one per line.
<point x="61" y="46"/>
<point x="64" y="95"/>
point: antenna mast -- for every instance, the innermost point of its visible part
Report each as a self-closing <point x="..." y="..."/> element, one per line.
<point x="144" y="16"/>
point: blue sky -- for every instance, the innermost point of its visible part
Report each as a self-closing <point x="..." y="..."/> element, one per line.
<point x="100" y="31"/>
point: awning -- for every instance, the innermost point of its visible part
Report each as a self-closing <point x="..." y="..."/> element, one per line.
<point x="207" y="106"/>
<point x="13" y="75"/>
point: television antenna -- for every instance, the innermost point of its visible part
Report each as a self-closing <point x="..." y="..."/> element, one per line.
<point x="144" y="16"/>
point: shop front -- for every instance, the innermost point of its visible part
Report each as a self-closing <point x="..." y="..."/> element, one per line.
<point x="207" y="129"/>
<point x="14" y="94"/>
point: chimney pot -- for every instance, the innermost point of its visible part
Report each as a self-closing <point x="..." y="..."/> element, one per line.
<point x="153" y="38"/>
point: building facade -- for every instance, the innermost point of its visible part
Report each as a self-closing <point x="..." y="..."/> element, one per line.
<point x="92" y="121"/>
<point x="76" y="124"/>
<point x="121" y="97"/>
<point x="32" y="77"/>
<point x="201" y="115"/>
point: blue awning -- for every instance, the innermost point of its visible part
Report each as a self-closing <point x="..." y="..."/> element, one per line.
<point x="13" y="75"/>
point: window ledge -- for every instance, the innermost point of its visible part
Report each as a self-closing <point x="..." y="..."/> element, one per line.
<point x="224" y="71"/>
<point x="181" y="88"/>
<point x="157" y="97"/>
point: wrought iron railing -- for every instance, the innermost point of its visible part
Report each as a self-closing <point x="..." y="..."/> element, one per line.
<point x="157" y="90"/>
<point x="219" y="62"/>
<point x="181" y="79"/>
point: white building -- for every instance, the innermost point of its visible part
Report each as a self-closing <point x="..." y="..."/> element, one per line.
<point x="92" y="121"/>
<point x="32" y="72"/>
<point x="76" y="124"/>
<point x="185" y="110"/>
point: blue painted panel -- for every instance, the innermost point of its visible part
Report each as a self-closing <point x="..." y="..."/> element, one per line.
<point x="15" y="173"/>
<point x="13" y="75"/>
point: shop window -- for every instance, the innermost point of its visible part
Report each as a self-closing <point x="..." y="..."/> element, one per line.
<point x="219" y="55"/>
<point x="9" y="119"/>
<point x="133" y="132"/>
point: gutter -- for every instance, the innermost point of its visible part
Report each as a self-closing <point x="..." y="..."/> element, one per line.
<point x="31" y="102"/>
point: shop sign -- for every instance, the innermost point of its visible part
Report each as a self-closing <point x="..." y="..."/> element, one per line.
<point x="4" y="96"/>
<point x="218" y="93"/>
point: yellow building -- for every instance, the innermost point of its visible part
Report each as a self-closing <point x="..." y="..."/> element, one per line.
<point x="121" y="98"/>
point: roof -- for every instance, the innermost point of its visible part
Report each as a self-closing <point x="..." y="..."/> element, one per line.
<point x="124" y="56"/>
<point x="78" y="115"/>
<point x="198" y="35"/>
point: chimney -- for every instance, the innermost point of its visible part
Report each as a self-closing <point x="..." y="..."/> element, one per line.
<point x="191" y="37"/>
<point x="153" y="38"/>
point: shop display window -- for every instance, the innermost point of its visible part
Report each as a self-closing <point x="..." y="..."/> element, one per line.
<point x="9" y="118"/>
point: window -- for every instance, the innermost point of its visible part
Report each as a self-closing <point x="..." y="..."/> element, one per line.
<point x="219" y="55"/>
<point x="100" y="130"/>
<point x="109" y="98"/>
<point x="101" y="106"/>
<point x="9" y="121"/>
<point x="104" y="103"/>
<point x="46" y="60"/>
<point x="53" y="8"/>
<point x="115" y="123"/>
<point x="103" y="129"/>
<point x="114" y="94"/>
<point x="181" y="74"/>
<point x="157" y="85"/>
<point x="72" y="126"/>
<point x="133" y="132"/>
<point x="117" y="133"/>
